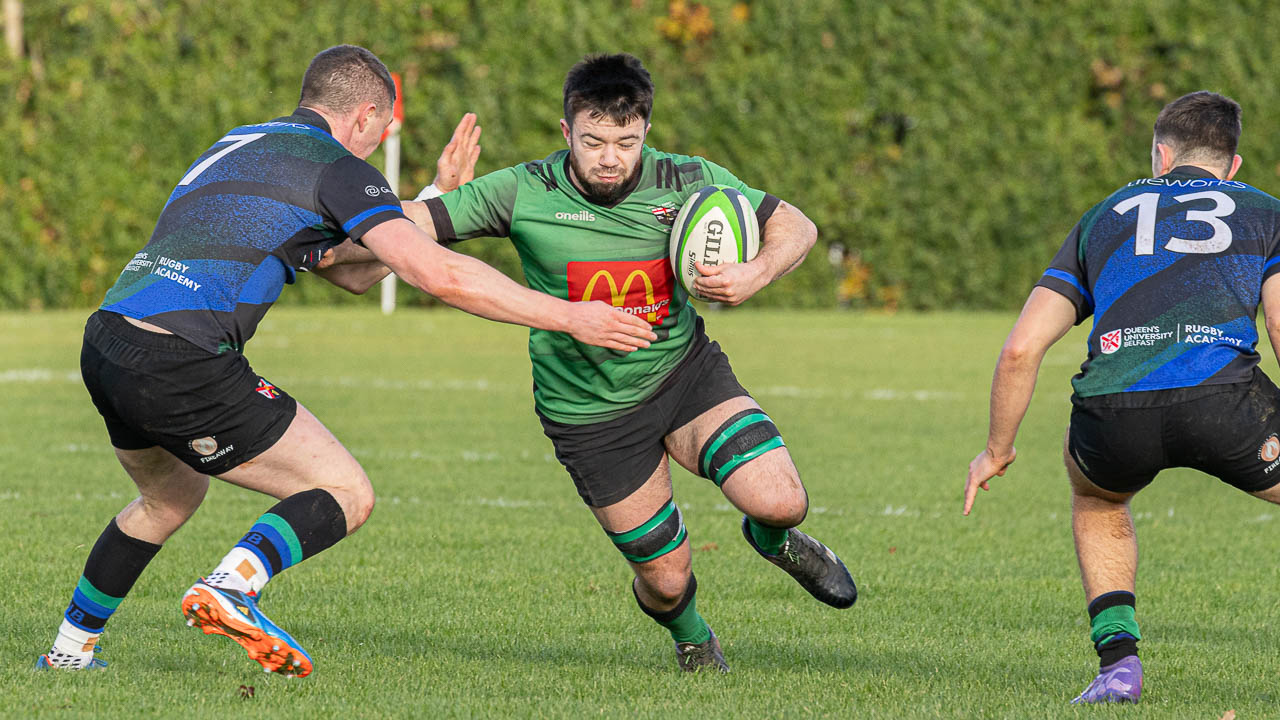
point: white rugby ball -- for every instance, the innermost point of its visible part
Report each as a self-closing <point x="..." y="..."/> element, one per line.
<point x="716" y="226"/>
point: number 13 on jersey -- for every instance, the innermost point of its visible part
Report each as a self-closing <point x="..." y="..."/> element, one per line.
<point x="1145" y="235"/>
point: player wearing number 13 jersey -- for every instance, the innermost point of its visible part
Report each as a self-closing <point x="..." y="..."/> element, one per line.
<point x="1172" y="268"/>
<point x="593" y="222"/>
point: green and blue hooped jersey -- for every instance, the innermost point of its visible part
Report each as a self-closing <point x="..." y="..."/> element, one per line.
<point x="1171" y="269"/>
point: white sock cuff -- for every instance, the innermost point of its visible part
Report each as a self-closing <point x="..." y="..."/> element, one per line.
<point x="71" y="640"/>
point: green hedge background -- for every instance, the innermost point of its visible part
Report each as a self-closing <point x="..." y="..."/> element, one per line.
<point x="948" y="146"/>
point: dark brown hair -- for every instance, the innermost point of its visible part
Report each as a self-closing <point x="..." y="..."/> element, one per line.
<point x="613" y="86"/>
<point x="1200" y="124"/>
<point x="344" y="76"/>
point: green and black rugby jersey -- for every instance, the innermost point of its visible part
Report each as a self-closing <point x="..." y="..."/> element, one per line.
<point x="577" y="250"/>
<point x="1171" y="268"/>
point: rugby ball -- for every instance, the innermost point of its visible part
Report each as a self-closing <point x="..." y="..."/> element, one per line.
<point x="716" y="226"/>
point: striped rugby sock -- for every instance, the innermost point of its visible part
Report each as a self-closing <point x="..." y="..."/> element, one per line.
<point x="296" y="528"/>
<point x="113" y="566"/>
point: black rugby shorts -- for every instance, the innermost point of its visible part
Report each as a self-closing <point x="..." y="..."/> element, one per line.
<point x="212" y="411"/>
<point x="610" y="460"/>
<point x="1120" y="441"/>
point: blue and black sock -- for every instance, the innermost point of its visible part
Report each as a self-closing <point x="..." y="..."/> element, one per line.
<point x="297" y="528"/>
<point x="114" y="565"/>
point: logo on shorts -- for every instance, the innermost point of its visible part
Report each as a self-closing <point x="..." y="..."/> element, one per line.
<point x="267" y="390"/>
<point x="204" y="446"/>
<point x="1110" y="342"/>
<point x="375" y="191"/>
<point x="640" y="287"/>
<point x="1270" y="449"/>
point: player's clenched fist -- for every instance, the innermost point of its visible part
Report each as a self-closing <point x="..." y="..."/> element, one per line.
<point x="599" y="323"/>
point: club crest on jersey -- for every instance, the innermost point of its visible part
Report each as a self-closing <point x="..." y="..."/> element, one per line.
<point x="636" y="287"/>
<point x="1110" y="342"/>
<point x="665" y="213"/>
<point x="267" y="390"/>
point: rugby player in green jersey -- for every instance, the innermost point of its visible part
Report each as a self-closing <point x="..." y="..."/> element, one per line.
<point x="593" y="222"/>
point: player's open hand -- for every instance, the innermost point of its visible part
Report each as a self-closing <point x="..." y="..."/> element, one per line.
<point x="731" y="284"/>
<point x="599" y="323"/>
<point x="457" y="163"/>
<point x="983" y="468"/>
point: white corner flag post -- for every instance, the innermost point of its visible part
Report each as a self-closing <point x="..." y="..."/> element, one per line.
<point x="392" y="151"/>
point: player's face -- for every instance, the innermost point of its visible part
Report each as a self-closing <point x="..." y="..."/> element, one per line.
<point x="604" y="155"/>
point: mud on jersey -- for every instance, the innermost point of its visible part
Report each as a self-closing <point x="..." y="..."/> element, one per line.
<point x="1171" y="268"/>
<point x="262" y="203"/>
<point x="577" y="250"/>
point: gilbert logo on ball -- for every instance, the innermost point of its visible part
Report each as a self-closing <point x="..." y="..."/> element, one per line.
<point x="717" y="226"/>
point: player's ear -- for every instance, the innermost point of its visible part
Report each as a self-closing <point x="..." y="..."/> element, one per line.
<point x="366" y="116"/>
<point x="1166" y="158"/>
<point x="1236" y="161"/>
<point x="564" y="129"/>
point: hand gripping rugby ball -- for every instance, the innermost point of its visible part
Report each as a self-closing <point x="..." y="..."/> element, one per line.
<point x="716" y="226"/>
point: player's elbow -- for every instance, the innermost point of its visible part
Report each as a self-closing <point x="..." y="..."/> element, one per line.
<point x="1273" y="325"/>
<point x="1017" y="353"/>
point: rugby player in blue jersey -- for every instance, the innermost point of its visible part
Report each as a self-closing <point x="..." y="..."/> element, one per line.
<point x="162" y="358"/>
<point x="1172" y="268"/>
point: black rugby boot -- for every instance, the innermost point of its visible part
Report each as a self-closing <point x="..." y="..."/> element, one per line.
<point x="813" y="565"/>
<point x="695" y="657"/>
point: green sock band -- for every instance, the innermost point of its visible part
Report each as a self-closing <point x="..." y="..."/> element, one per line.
<point x="768" y="539"/>
<point x="683" y="620"/>
<point x="1111" y="622"/>
<point x="688" y="626"/>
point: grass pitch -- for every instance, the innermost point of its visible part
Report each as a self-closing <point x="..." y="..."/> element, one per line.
<point x="481" y="587"/>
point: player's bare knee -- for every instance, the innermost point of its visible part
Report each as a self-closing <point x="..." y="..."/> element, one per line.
<point x="666" y="582"/>
<point x="785" y="511"/>
<point x="357" y="499"/>
<point x="362" y="506"/>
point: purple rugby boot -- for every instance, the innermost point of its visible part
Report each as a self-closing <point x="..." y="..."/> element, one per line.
<point x="1121" y="682"/>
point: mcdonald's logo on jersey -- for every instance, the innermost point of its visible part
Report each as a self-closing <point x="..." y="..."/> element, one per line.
<point x="637" y="287"/>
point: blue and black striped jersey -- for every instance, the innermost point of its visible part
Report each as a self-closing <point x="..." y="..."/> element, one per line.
<point x="1171" y="268"/>
<point x="262" y="203"/>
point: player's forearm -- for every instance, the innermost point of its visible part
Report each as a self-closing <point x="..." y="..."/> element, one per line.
<point x="472" y="286"/>
<point x="1011" y="390"/>
<point x="785" y="241"/>
<point x="345" y="253"/>
<point x="355" y="278"/>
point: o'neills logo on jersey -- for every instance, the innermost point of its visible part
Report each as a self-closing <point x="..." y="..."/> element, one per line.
<point x="637" y="287"/>
<point x="581" y="216"/>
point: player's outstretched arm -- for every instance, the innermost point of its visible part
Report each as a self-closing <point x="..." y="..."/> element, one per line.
<point x="1045" y="318"/>
<point x="785" y="240"/>
<point x="468" y="284"/>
